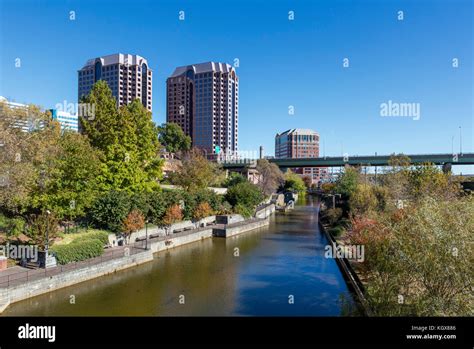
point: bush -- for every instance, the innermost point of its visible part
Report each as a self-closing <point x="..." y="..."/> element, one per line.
<point x="110" y="210"/>
<point x="102" y="236"/>
<point x="202" y="210"/>
<point x="78" y="251"/>
<point x="233" y="179"/>
<point x="332" y="215"/>
<point x="336" y="231"/>
<point x="243" y="210"/>
<point x="244" y="194"/>
<point x="133" y="222"/>
<point x="294" y="183"/>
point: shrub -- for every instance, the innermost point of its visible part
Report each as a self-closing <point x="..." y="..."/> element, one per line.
<point x="243" y="210"/>
<point x="78" y="251"/>
<point x="336" y="231"/>
<point x="110" y="210"/>
<point x="102" y="236"/>
<point x="244" y="194"/>
<point x="202" y="210"/>
<point x="233" y="179"/>
<point x="332" y="215"/>
<point x="133" y="222"/>
<point x="294" y="182"/>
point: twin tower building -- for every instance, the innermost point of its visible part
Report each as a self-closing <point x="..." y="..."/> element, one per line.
<point x="201" y="98"/>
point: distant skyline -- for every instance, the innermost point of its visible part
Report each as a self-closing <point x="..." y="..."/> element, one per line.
<point x="283" y="64"/>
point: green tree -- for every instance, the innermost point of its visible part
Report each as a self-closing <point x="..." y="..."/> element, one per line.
<point x="346" y="183"/>
<point x="294" y="182"/>
<point x="110" y="210"/>
<point x="172" y="137"/>
<point x="233" y="179"/>
<point x="24" y="156"/>
<point x="128" y="139"/>
<point x="72" y="182"/>
<point x="244" y="194"/>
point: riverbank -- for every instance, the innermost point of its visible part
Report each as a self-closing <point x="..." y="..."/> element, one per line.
<point x="251" y="274"/>
<point x="131" y="255"/>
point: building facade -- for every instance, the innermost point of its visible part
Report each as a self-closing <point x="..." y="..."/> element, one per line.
<point x="67" y="120"/>
<point x="203" y="99"/>
<point x="128" y="76"/>
<point x="300" y="143"/>
<point x="20" y="116"/>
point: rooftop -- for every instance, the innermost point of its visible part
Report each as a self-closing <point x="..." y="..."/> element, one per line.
<point x="203" y="68"/>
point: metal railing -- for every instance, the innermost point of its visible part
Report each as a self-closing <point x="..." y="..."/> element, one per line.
<point x="36" y="274"/>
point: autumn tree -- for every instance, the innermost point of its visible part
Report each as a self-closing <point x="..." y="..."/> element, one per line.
<point x="134" y="221"/>
<point x="196" y="172"/>
<point x="271" y="178"/>
<point x="202" y="210"/>
<point x="172" y="215"/>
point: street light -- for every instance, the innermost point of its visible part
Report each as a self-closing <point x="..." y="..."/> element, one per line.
<point x="46" y="245"/>
<point x="146" y="234"/>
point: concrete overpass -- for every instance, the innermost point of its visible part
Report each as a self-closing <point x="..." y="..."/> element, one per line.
<point x="368" y="160"/>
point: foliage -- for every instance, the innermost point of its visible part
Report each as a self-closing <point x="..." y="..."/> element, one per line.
<point x="128" y="139"/>
<point x="233" y="179"/>
<point x="307" y="182"/>
<point x="172" y="215"/>
<point x="24" y="156"/>
<point x="133" y="222"/>
<point x="336" y="231"/>
<point x="423" y="253"/>
<point x="202" y="210"/>
<point x="346" y="183"/>
<point x="244" y="194"/>
<point x="243" y="210"/>
<point x="328" y="188"/>
<point x="196" y="172"/>
<point x="12" y="226"/>
<point x="271" y="177"/>
<point x="70" y="186"/>
<point x="102" y="236"/>
<point x="332" y="215"/>
<point x="172" y="137"/>
<point x="363" y="200"/>
<point x="294" y="182"/>
<point x="110" y="210"/>
<point x="78" y="251"/>
<point x="43" y="228"/>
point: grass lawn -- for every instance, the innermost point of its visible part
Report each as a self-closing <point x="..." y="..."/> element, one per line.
<point x="68" y="238"/>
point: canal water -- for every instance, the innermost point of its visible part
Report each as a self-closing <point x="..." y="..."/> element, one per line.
<point x="277" y="270"/>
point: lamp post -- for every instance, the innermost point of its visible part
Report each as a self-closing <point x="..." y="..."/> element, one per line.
<point x="146" y="234"/>
<point x="46" y="244"/>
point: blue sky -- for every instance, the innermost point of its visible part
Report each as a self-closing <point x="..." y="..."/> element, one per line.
<point x="282" y="62"/>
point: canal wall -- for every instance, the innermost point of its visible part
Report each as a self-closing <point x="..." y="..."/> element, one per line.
<point x="239" y="228"/>
<point x="179" y="239"/>
<point x="348" y="272"/>
<point x="33" y="288"/>
<point x="16" y="293"/>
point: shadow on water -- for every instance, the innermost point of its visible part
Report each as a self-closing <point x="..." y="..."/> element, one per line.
<point x="277" y="270"/>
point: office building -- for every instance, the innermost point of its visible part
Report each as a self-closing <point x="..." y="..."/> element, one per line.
<point x="67" y="120"/>
<point x="128" y="76"/>
<point x="20" y="116"/>
<point x="300" y="143"/>
<point x="203" y="99"/>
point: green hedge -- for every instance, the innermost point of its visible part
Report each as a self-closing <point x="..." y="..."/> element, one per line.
<point x="78" y="250"/>
<point x="102" y="236"/>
